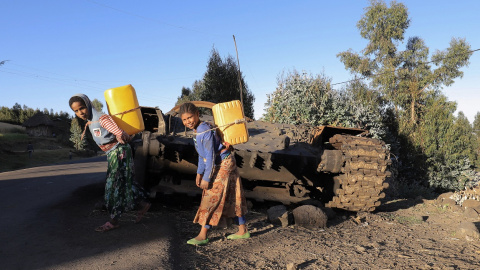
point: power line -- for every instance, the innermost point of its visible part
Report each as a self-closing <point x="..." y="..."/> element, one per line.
<point x="46" y="78"/>
<point x="100" y="83"/>
<point x="392" y="71"/>
<point x="68" y="80"/>
<point x="150" y="19"/>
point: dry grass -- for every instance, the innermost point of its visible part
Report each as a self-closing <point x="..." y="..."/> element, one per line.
<point x="9" y="128"/>
<point x="13" y="137"/>
<point x="21" y="160"/>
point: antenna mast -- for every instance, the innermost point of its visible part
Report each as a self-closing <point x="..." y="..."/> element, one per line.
<point x="239" y="76"/>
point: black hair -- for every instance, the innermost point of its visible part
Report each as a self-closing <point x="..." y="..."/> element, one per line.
<point x="76" y="99"/>
<point x="188" y="107"/>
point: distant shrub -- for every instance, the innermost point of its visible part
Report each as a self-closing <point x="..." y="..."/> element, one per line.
<point x="13" y="137"/>
<point x="18" y="131"/>
<point x="402" y="190"/>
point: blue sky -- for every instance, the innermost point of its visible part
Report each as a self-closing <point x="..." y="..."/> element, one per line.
<point x="59" y="48"/>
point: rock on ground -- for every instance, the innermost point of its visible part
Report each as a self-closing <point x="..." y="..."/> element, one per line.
<point x="279" y="215"/>
<point x="310" y="217"/>
<point x="471" y="204"/>
<point x="469" y="231"/>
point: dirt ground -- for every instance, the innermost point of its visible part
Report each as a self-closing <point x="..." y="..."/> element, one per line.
<point x="48" y="215"/>
<point x="402" y="234"/>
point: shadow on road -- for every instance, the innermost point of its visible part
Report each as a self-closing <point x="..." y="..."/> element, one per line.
<point x="48" y="222"/>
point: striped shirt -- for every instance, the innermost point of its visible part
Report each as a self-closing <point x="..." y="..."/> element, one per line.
<point x="106" y="121"/>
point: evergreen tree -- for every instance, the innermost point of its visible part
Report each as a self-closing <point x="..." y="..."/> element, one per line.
<point x="76" y="135"/>
<point x="98" y="105"/>
<point x="476" y="131"/>
<point x="220" y="84"/>
<point x="16" y="113"/>
<point x="476" y="124"/>
<point x="188" y="94"/>
<point x="19" y="114"/>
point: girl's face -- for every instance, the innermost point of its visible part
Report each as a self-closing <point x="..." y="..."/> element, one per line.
<point x="80" y="110"/>
<point x="190" y="120"/>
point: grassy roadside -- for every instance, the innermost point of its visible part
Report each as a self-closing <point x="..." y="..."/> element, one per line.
<point x="21" y="160"/>
<point x="13" y="149"/>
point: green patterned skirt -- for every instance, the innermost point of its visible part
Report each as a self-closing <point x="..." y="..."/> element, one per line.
<point x="122" y="193"/>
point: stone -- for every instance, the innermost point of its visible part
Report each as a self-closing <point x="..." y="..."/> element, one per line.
<point x="428" y="202"/>
<point x="448" y="202"/>
<point x="329" y="212"/>
<point x="279" y="215"/>
<point x="443" y="196"/>
<point x="468" y="230"/>
<point x="292" y="266"/>
<point x="310" y="217"/>
<point x="456" y="208"/>
<point x="360" y="249"/>
<point x="471" y="213"/>
<point x="313" y="202"/>
<point x="471" y="203"/>
<point x="260" y="264"/>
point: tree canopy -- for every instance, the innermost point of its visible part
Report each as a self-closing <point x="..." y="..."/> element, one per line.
<point x="434" y="143"/>
<point x="405" y="77"/>
<point x="299" y="98"/>
<point x="76" y="135"/>
<point x="19" y="114"/>
<point x="220" y="84"/>
<point x="396" y="95"/>
<point x="308" y="99"/>
<point x="97" y="104"/>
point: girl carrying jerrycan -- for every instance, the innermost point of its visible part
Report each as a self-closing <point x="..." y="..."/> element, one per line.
<point x="122" y="193"/>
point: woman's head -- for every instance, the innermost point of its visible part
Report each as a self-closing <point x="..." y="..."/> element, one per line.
<point x="78" y="104"/>
<point x="190" y="115"/>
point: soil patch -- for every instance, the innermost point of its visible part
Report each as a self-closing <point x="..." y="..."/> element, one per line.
<point x="401" y="234"/>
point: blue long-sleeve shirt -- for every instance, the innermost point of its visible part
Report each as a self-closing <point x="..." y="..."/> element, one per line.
<point x="208" y="145"/>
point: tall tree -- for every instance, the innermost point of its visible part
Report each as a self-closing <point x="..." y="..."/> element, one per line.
<point x="404" y="77"/>
<point x="220" y="84"/>
<point x="476" y="124"/>
<point x="409" y="82"/>
<point x="76" y="135"/>
<point x="476" y="131"/>
<point x="97" y="104"/>
<point x="16" y="112"/>
<point x="189" y="94"/>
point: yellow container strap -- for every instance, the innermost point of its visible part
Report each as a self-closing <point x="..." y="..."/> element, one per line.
<point x="91" y="122"/>
<point x="237" y="121"/>
<point x="124" y="112"/>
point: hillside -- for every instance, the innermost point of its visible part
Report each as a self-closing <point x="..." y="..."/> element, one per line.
<point x="13" y="149"/>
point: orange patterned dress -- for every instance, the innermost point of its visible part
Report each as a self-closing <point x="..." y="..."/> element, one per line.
<point x="225" y="197"/>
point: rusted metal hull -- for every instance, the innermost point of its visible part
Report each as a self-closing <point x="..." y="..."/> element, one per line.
<point x="286" y="163"/>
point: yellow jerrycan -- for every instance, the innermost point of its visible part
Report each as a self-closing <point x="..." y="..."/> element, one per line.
<point x="231" y="123"/>
<point x="123" y="107"/>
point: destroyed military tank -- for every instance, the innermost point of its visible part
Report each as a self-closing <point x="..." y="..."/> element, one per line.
<point x="342" y="167"/>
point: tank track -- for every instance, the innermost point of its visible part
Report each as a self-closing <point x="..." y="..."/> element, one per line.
<point x="360" y="185"/>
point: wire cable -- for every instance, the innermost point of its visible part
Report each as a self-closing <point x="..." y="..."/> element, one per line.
<point x="150" y="19"/>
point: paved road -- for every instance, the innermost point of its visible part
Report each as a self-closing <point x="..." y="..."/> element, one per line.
<point x="47" y="221"/>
